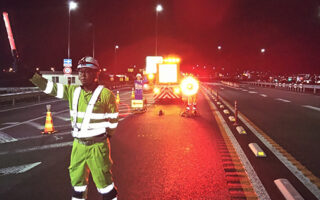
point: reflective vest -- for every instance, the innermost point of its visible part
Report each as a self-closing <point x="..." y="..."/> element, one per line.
<point x="91" y="114"/>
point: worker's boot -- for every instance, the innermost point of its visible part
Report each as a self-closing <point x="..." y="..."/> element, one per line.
<point x="79" y="195"/>
<point x="112" y="195"/>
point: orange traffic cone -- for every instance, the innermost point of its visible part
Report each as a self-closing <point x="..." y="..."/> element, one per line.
<point x="48" y="127"/>
<point x="118" y="98"/>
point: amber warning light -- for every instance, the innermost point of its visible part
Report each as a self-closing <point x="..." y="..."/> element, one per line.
<point x="189" y="86"/>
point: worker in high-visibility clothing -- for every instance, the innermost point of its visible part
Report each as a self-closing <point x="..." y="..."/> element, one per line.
<point x="138" y="87"/>
<point x="94" y="116"/>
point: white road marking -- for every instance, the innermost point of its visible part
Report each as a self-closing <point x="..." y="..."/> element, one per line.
<point x="251" y="88"/>
<point x="10" y="123"/>
<point x="244" y="90"/>
<point x="18" y="169"/>
<point x="252" y="92"/>
<point x="263" y="95"/>
<point x="283" y="100"/>
<point x="63" y="118"/>
<point x="25" y="122"/>
<point x="311" y="107"/>
<point x="4" y="138"/>
<point x="37" y="148"/>
<point x="58" y="138"/>
<point x="294" y="170"/>
<point x="36" y="125"/>
<point x="254" y="179"/>
<point x="16" y="108"/>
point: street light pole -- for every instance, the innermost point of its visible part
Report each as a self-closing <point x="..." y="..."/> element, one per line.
<point x="158" y="9"/>
<point x="72" y="6"/>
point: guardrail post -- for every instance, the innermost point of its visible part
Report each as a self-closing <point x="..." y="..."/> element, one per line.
<point x="13" y="101"/>
<point x="314" y="90"/>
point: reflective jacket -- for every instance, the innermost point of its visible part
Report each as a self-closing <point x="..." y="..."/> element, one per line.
<point x="100" y="117"/>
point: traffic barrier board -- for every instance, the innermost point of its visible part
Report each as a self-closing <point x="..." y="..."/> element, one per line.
<point x="241" y="130"/>
<point x="226" y="111"/>
<point x="257" y="151"/>
<point x="287" y="190"/>
<point x="232" y="119"/>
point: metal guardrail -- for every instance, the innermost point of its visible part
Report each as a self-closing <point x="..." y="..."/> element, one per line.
<point x="20" y="95"/>
<point x="288" y="86"/>
<point x="17" y="89"/>
<point x="12" y="94"/>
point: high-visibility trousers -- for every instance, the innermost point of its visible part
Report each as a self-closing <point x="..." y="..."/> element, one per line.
<point x="93" y="158"/>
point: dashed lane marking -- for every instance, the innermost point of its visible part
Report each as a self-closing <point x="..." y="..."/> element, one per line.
<point x="4" y="138"/>
<point x="63" y="118"/>
<point x="283" y="100"/>
<point x="253" y="92"/>
<point x="311" y="107"/>
<point x="263" y="95"/>
<point x="18" y="169"/>
<point x="36" y="125"/>
<point x="37" y="148"/>
<point x="41" y="136"/>
<point x="21" y="107"/>
<point x="31" y="120"/>
<point x="302" y="173"/>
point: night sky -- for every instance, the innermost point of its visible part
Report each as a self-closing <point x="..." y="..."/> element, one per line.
<point x="289" y="30"/>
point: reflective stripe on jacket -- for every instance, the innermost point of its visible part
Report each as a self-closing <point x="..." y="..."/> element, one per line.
<point x="104" y="115"/>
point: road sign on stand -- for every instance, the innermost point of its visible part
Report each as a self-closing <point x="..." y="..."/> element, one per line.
<point x="67" y="70"/>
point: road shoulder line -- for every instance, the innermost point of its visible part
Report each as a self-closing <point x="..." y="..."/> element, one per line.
<point x="254" y="179"/>
<point x="305" y="176"/>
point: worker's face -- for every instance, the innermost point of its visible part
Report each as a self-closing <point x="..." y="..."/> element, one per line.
<point x="138" y="78"/>
<point x="87" y="76"/>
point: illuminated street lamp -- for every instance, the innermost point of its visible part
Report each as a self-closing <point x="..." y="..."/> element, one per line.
<point x="159" y="8"/>
<point x="72" y="6"/>
<point x="263" y="50"/>
<point x="219" y="47"/>
<point x="116" y="47"/>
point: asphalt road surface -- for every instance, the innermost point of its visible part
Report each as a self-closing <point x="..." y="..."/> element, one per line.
<point x="292" y="119"/>
<point x="155" y="157"/>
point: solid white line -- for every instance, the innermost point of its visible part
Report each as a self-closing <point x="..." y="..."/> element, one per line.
<point x="18" y="169"/>
<point x="295" y="171"/>
<point x="28" y="106"/>
<point x="25" y="122"/>
<point x="63" y="118"/>
<point x="283" y="100"/>
<point x="252" y="92"/>
<point x="37" y="148"/>
<point x="4" y="138"/>
<point x="254" y="179"/>
<point x="36" y="125"/>
<point x="263" y="95"/>
<point x="311" y="107"/>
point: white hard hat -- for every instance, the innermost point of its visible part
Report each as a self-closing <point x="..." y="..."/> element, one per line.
<point x="88" y="62"/>
<point x="138" y="75"/>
